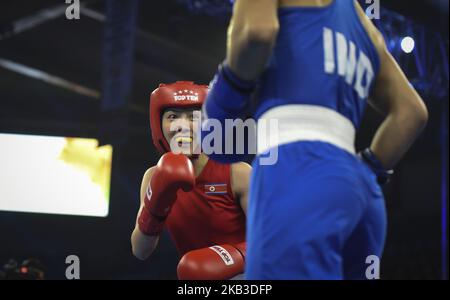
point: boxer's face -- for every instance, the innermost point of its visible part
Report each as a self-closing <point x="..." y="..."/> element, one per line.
<point x="178" y="127"/>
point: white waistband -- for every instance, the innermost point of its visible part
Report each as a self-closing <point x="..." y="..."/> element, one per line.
<point x="298" y="122"/>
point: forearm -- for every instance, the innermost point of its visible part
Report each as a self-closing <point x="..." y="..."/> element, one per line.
<point x="248" y="53"/>
<point x="158" y="194"/>
<point x="249" y="44"/>
<point x="396" y="135"/>
<point x="143" y="245"/>
<point x="235" y="80"/>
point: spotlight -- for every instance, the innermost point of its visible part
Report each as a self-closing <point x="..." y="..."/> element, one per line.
<point x="407" y="44"/>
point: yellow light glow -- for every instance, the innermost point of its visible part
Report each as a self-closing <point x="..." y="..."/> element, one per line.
<point x="54" y="175"/>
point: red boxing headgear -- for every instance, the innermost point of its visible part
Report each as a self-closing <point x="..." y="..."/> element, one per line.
<point x="180" y="95"/>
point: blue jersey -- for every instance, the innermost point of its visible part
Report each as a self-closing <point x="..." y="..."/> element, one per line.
<point x="323" y="56"/>
<point x="317" y="212"/>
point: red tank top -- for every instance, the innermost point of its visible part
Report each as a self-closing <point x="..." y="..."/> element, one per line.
<point x="209" y="214"/>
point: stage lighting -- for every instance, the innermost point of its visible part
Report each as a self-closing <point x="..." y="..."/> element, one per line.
<point x="408" y="44"/>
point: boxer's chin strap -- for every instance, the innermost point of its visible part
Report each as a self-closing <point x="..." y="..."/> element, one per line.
<point x="194" y="157"/>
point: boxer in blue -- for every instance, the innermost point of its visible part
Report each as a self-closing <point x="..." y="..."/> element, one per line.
<point x="313" y="65"/>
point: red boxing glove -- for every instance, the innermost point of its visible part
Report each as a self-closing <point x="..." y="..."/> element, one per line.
<point x="213" y="263"/>
<point x="173" y="172"/>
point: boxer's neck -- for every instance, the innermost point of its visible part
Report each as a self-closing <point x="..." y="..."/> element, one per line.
<point x="199" y="163"/>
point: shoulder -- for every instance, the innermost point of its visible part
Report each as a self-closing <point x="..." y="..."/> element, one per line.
<point x="375" y="35"/>
<point x="240" y="176"/>
<point x="241" y="168"/>
<point x="149" y="172"/>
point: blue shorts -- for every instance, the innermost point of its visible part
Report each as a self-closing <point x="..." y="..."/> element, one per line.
<point x="317" y="213"/>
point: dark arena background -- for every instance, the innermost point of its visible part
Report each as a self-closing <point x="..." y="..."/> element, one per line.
<point x="90" y="78"/>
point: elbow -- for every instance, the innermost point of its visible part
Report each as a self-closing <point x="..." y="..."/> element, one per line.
<point x="421" y="116"/>
<point x="141" y="249"/>
<point x="264" y="34"/>
<point x="415" y="115"/>
<point x="139" y="253"/>
<point x="253" y="32"/>
<point x="424" y="117"/>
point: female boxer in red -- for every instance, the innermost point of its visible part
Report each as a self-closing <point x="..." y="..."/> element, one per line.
<point x="202" y="203"/>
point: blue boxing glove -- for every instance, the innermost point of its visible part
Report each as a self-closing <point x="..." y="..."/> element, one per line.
<point x="383" y="175"/>
<point x="228" y="96"/>
<point x="228" y="99"/>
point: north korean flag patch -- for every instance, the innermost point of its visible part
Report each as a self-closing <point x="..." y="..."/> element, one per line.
<point x="216" y="189"/>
